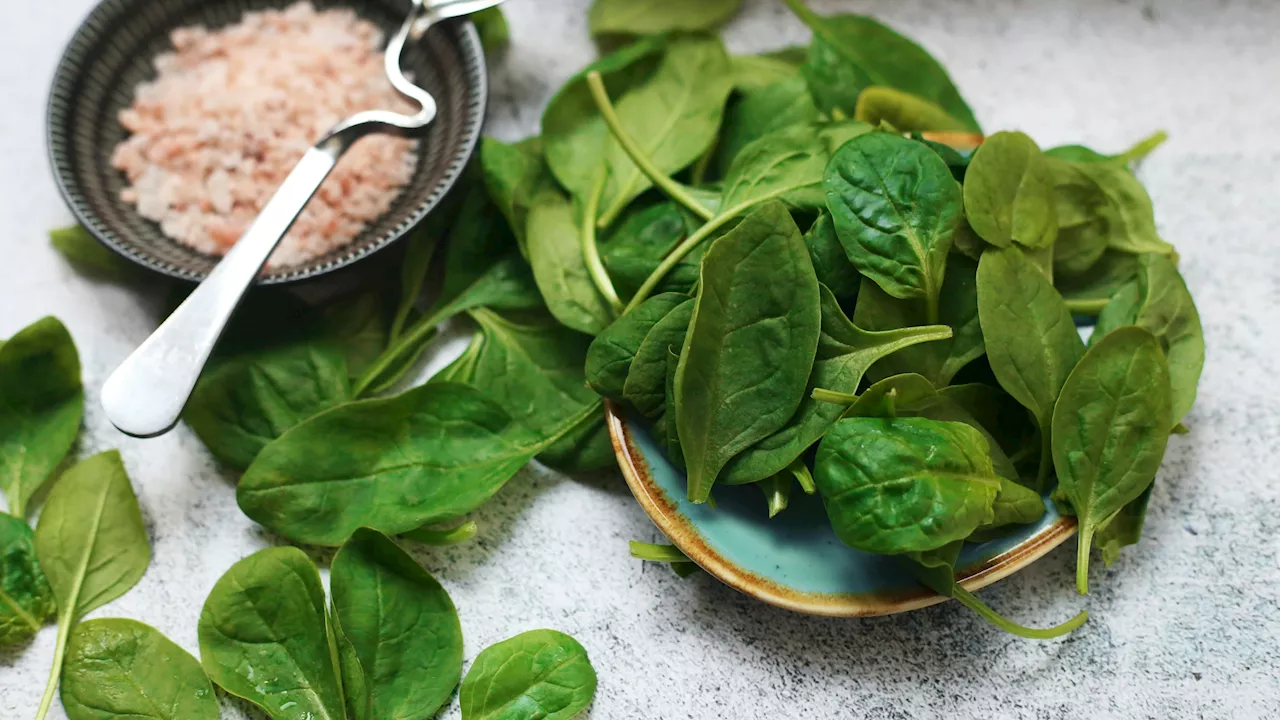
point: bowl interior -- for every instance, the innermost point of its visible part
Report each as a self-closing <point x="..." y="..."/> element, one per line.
<point x="113" y="52"/>
<point x="795" y="560"/>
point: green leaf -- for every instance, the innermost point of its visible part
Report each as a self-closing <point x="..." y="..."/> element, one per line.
<point x="904" y="111"/>
<point x="250" y="400"/>
<point x="1123" y="529"/>
<point x="1168" y="311"/>
<point x="560" y="269"/>
<point x="1120" y="311"/>
<point x="652" y="552"/>
<point x="845" y="351"/>
<point x="495" y="33"/>
<point x="674" y="452"/>
<point x="903" y="485"/>
<point x="1131" y="219"/>
<point x="514" y="174"/>
<point x="830" y="262"/>
<point x="41" y="406"/>
<point x="1032" y="343"/>
<point x="434" y="453"/>
<point x="674" y="117"/>
<point x="419" y="252"/>
<point x="777" y="492"/>
<point x="355" y="325"/>
<point x="1110" y="430"/>
<point x="750" y="345"/>
<point x="654" y="17"/>
<point x="853" y="52"/>
<point x="957" y="309"/>
<point x="120" y="668"/>
<point x="610" y="354"/>
<point x="638" y="244"/>
<point x="263" y="637"/>
<point x="1085" y="220"/>
<point x="761" y="111"/>
<point x="883" y="397"/>
<point x="573" y="131"/>
<point x="646" y="384"/>
<point x="753" y="72"/>
<point x="401" y="624"/>
<point x="91" y="258"/>
<point x="91" y="544"/>
<point x="26" y="600"/>
<point x="896" y="209"/>
<point x="1009" y="192"/>
<point x="786" y="165"/>
<point x="999" y="413"/>
<point x="540" y="674"/>
<point x="944" y="409"/>
<point x="1089" y="293"/>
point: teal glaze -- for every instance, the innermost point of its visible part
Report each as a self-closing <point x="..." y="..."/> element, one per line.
<point x="798" y="549"/>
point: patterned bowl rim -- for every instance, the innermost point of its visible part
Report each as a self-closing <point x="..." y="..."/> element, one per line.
<point x="685" y="536"/>
<point x="71" y="65"/>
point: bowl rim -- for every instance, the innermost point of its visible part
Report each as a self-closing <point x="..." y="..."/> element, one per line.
<point x="71" y="66"/>
<point x="682" y="533"/>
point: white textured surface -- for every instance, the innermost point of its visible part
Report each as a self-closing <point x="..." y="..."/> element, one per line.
<point x="1186" y="625"/>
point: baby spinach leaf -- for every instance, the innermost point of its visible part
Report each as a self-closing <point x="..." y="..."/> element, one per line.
<point x="41" y="406"/>
<point x="1089" y="293"/>
<point x="263" y="637"/>
<point x="999" y="413"/>
<point x="1110" y="430"/>
<point x="436" y="452"/>
<point x="944" y="409"/>
<point x="1131" y="218"/>
<point x="610" y="354"/>
<point x="401" y="624"/>
<point x="936" y="570"/>
<point x="752" y="72"/>
<point x="1009" y="192"/>
<point x="674" y="117"/>
<point x="91" y="544"/>
<point x="1124" y="528"/>
<point x="749" y="349"/>
<point x="540" y="673"/>
<point x="560" y="268"/>
<point x="1120" y="311"/>
<point x="250" y="400"/>
<point x="786" y="165"/>
<point x="573" y="131"/>
<point x="638" y="244"/>
<point x="674" y="452"/>
<point x="882" y="398"/>
<point x="514" y="174"/>
<point x="1169" y="312"/>
<point x="120" y="668"/>
<point x="845" y="351"/>
<point x="761" y="111"/>
<point x="1031" y="341"/>
<point x="26" y="601"/>
<point x="93" y="259"/>
<point x="1015" y="505"/>
<point x="645" y="386"/>
<point x="853" y="52"/>
<point x="1085" y="220"/>
<point x="653" y="552"/>
<point x="829" y="261"/>
<point x="957" y="309"/>
<point x="653" y="17"/>
<point x="904" y="111"/>
<point x="904" y="485"/>
<point x="495" y="33"/>
<point x="896" y="209"/>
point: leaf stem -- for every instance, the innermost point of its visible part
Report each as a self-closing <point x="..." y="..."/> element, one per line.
<point x="833" y="397"/>
<point x="679" y="252"/>
<point x="1144" y="147"/>
<point x="591" y="253"/>
<point x="1090" y="308"/>
<point x="654" y="552"/>
<point x="806" y="15"/>
<point x="973" y="603"/>
<point x="418" y="335"/>
<point x="59" y="650"/>
<point x="1046" y="456"/>
<point x="803" y="476"/>
<point x="664" y="183"/>
<point x="1084" y="541"/>
<point x="452" y="536"/>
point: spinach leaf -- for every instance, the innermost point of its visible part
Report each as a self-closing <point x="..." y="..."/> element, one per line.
<point x="753" y="72"/>
<point x="830" y="263"/>
<point x="896" y="209"/>
<point x="1009" y="192"/>
<point x="610" y="354"/>
<point x="92" y="545"/>
<point x="560" y="268"/>
<point x="999" y="413"/>
<point x="787" y="165"/>
<point x="944" y="409"/>
<point x="400" y="623"/>
<point x="495" y="33"/>
<point x="674" y="117"/>
<point x="653" y="17"/>
<point x="1110" y="430"/>
<point x="420" y="250"/>
<point x="674" y="452"/>
<point x="535" y="372"/>
<point x="93" y="259"/>
<point x="41" y="406"/>
<point x="250" y="400"/>
<point x="434" y="453"/>
<point x="904" y="111"/>
<point x="852" y="52"/>
<point x="118" y="668"/>
<point x="749" y="349"/>
<point x="1123" y="528"/>
<point x="883" y="398"/>
<point x="904" y="485"/>
<point x="652" y="552"/>
<point x="761" y="111"/>
<point x="356" y="325"/>
<point x="1089" y="293"/>
<point x="540" y="673"/>
<point x="1085" y="220"/>
<point x="264" y="637"/>
<point x="573" y="133"/>
<point x="1120" y="311"/>
<point x="1032" y="343"/>
<point x="26" y="601"/>
<point x="845" y="351"/>
<point x="957" y="309"/>
<point x="936" y="570"/>
<point x="1131" y="222"/>
<point x="646" y="384"/>
<point x="514" y="175"/>
<point x="1169" y="312"/>
<point x="1015" y="505"/>
<point x="638" y="243"/>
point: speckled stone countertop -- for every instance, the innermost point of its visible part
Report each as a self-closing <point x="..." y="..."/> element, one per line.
<point x="1184" y="626"/>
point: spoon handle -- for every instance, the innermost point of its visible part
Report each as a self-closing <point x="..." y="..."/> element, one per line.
<point x="144" y="397"/>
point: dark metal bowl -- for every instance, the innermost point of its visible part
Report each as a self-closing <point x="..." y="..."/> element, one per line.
<point x="113" y="51"/>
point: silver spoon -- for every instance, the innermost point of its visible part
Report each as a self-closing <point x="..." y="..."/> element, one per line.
<point x="144" y="397"/>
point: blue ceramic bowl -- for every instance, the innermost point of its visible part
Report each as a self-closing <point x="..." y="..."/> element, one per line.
<point x="795" y="560"/>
